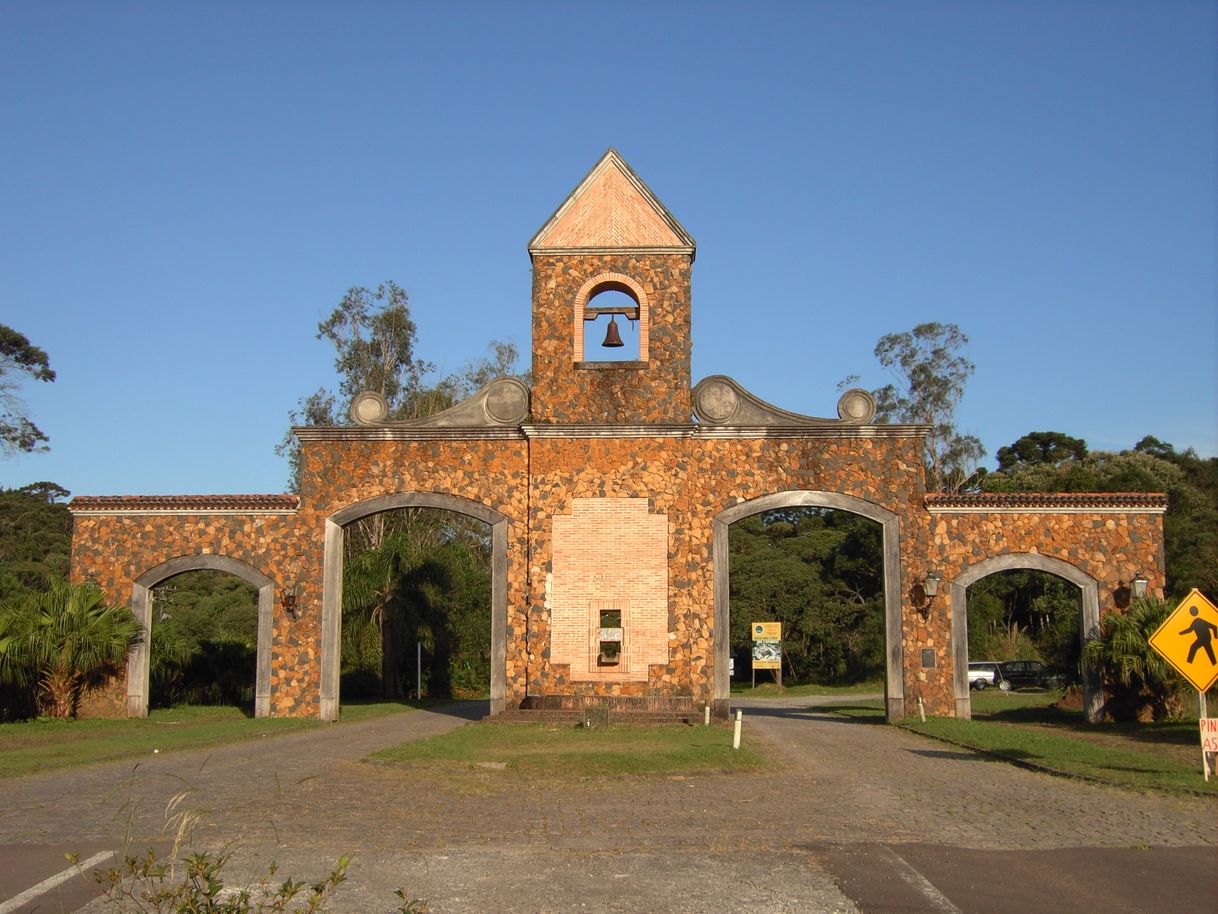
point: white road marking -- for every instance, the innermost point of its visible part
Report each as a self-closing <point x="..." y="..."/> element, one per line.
<point x="907" y="872"/>
<point x="47" y="884"/>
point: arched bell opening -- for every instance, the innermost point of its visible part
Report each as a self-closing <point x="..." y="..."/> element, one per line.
<point x="611" y="321"/>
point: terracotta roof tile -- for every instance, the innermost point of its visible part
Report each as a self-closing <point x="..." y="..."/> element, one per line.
<point x="1047" y="500"/>
<point x="200" y="503"/>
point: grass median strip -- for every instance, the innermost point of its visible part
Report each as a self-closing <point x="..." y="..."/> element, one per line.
<point x="542" y="752"/>
<point x="1129" y="759"/>
<point x="35" y="746"/>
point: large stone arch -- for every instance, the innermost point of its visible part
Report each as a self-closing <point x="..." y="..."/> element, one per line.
<point x="1093" y="693"/>
<point x="890" y="522"/>
<point x="138" y="668"/>
<point x="332" y="586"/>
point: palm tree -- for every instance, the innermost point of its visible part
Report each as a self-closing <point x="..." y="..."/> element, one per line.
<point x="1141" y="683"/>
<point x="61" y="638"/>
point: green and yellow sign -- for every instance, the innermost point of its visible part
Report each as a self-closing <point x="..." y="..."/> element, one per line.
<point x="767" y="645"/>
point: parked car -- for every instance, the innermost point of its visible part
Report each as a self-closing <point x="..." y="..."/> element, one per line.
<point x="1025" y="673"/>
<point x="984" y="674"/>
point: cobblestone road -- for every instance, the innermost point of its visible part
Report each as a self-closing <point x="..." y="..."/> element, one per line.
<point x="516" y="846"/>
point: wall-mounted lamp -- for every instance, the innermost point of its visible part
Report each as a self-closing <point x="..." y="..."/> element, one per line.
<point x="930" y="583"/>
<point x="289" y="596"/>
<point x="929" y="587"/>
<point x="1138" y="585"/>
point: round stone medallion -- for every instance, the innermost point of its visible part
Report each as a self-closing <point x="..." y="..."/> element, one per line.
<point x="369" y="408"/>
<point x="856" y="405"/>
<point x="717" y="402"/>
<point x="507" y="401"/>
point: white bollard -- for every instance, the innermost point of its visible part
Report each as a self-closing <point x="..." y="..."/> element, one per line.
<point x="706" y="716"/>
<point x="736" y="734"/>
<point x="921" y="709"/>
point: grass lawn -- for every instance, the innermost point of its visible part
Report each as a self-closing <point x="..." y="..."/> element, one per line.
<point x="30" y="747"/>
<point x="561" y="753"/>
<point x="1022" y="726"/>
<point x="771" y="690"/>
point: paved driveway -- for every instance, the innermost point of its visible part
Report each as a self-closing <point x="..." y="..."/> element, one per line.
<point x="861" y="817"/>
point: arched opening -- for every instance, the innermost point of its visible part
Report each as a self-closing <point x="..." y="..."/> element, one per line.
<point x="1024" y="618"/>
<point x="436" y="575"/>
<point x="144" y="601"/>
<point x="891" y="584"/>
<point x="611" y="308"/>
<point x="818" y="572"/>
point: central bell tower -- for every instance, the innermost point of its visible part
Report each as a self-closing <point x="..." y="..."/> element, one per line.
<point x="612" y="252"/>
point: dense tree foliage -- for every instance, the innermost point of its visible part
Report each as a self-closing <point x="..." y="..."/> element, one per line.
<point x="821" y="574"/>
<point x="35" y="538"/>
<point x="1038" y="448"/>
<point x="19" y="357"/>
<point x="930" y="376"/>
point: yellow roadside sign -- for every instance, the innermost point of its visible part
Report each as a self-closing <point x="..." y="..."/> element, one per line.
<point x="1188" y="640"/>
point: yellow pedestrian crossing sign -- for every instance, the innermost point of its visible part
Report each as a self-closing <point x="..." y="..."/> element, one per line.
<point x="1188" y="640"/>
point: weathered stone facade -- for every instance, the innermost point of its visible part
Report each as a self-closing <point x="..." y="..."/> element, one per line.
<point x="600" y="457"/>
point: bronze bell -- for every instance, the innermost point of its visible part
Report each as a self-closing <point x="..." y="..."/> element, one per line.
<point x="613" y="339"/>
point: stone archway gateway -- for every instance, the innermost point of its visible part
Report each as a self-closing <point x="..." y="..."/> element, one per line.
<point x="609" y="487"/>
<point x="138" y="663"/>
<point x="894" y="691"/>
<point x="1093" y="694"/>
<point x="332" y="585"/>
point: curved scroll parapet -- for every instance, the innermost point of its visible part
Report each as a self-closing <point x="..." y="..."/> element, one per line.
<point x="720" y="401"/>
<point x="504" y="401"/>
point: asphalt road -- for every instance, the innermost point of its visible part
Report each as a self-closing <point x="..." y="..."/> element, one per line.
<point x="857" y="818"/>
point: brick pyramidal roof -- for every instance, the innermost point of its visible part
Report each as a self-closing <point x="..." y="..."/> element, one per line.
<point x="184" y="504"/>
<point x="1048" y="501"/>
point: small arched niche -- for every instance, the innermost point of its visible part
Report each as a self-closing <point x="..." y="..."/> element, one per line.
<point x="605" y="300"/>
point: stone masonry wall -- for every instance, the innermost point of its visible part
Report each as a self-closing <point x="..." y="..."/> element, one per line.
<point x="656" y="394"/>
<point x="114" y="550"/>
<point x="1109" y="547"/>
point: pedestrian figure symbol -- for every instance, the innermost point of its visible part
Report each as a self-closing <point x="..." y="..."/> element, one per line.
<point x="1204" y="632"/>
<point x="1187" y="640"/>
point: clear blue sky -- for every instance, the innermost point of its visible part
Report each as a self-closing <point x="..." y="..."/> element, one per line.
<point x="186" y="190"/>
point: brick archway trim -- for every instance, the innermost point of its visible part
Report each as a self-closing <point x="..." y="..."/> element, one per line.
<point x="1089" y="622"/>
<point x="138" y="666"/>
<point x="617" y="282"/>
<point x="890" y="522"/>
<point x="332" y="586"/>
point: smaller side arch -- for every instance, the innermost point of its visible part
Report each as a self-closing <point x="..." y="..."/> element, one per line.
<point x="894" y="697"/>
<point x="611" y="282"/>
<point x="1093" y="693"/>
<point x="138" y="667"/>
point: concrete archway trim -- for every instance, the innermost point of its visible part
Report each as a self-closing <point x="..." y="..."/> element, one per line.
<point x="332" y="586"/>
<point x="1089" y="622"/>
<point x="138" y="662"/>
<point x="891" y="525"/>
